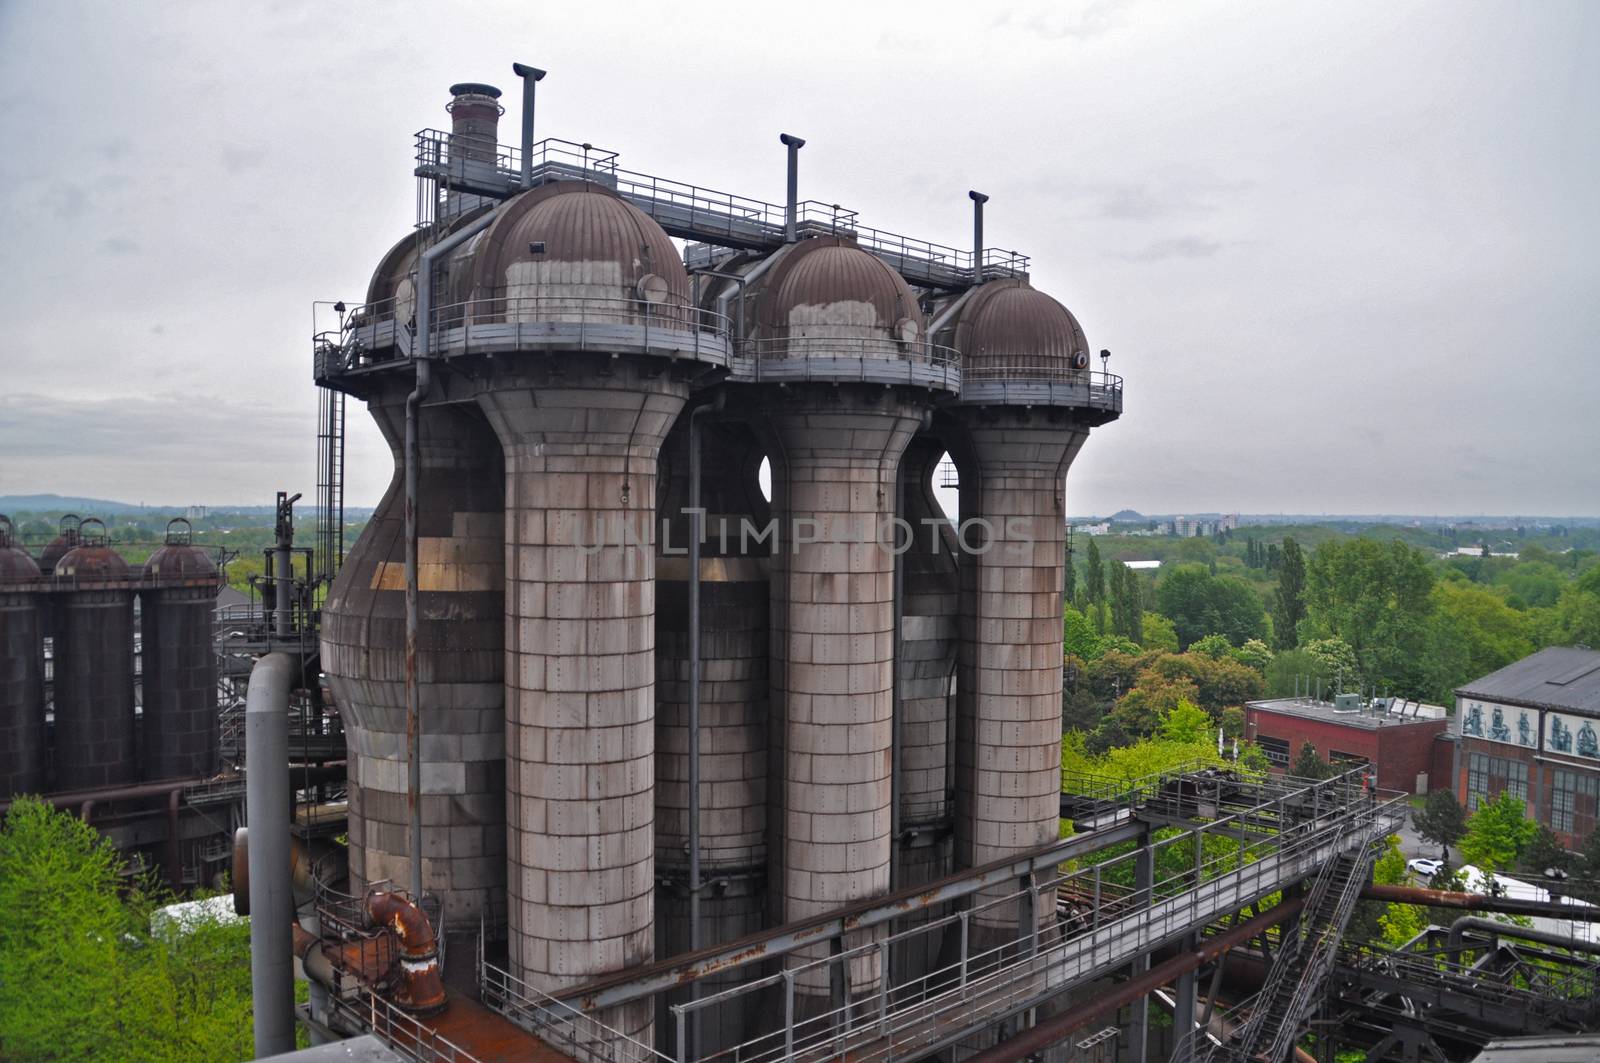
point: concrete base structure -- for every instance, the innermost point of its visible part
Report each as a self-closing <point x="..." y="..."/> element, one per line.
<point x="835" y="456"/>
<point x="581" y="435"/>
<point x="460" y="664"/>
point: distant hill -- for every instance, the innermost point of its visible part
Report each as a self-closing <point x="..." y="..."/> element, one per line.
<point x="82" y="506"/>
<point x="1127" y="516"/>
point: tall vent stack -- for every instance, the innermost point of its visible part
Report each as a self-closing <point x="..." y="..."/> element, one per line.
<point x="474" y="144"/>
<point x="179" y="663"/>
<point x="94" y="711"/>
<point x="22" y="730"/>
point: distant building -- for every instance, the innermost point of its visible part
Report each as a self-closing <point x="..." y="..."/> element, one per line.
<point x="1533" y="729"/>
<point x="1189" y="528"/>
<point x="1400" y="738"/>
<point x="1103" y="528"/>
<point x="1143" y="566"/>
<point x="197" y="512"/>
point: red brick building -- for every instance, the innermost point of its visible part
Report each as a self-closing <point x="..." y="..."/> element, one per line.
<point x="1399" y="738"/>
<point x="1533" y="728"/>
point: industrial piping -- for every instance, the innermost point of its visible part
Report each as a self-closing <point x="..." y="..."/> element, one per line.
<point x="267" y="807"/>
<point x="1459" y="928"/>
<point x="1056" y="1030"/>
<point x="1480" y="902"/>
<point x="424" y="380"/>
<point x="421" y="986"/>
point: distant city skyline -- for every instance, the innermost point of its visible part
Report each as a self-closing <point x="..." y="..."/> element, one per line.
<point x="1344" y="255"/>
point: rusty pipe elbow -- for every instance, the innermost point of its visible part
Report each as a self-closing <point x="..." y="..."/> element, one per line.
<point x="422" y="984"/>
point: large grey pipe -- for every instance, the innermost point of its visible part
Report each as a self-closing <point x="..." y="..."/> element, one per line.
<point x="266" y="722"/>
<point x="424" y="380"/>
<point x="1459" y="928"/>
<point x="531" y="76"/>
<point x="791" y="211"/>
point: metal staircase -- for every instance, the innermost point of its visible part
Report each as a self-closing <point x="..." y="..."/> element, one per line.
<point x="1309" y="953"/>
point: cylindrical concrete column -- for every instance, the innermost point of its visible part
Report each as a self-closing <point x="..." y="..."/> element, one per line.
<point x="580" y="448"/>
<point x="834" y="463"/>
<point x="1008" y="744"/>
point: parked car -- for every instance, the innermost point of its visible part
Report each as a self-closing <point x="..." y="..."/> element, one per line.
<point x="1423" y="866"/>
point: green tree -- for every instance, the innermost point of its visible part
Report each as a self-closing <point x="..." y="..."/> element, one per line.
<point x="1187" y="722"/>
<point x="81" y="975"/>
<point x="1077" y="635"/>
<point x="1094" y="577"/>
<point x="1159" y="633"/>
<point x="1139" y="712"/>
<point x="1290" y="597"/>
<point x="1200" y="604"/>
<point x="1498" y="833"/>
<point x="1441" y="820"/>
<point x="1474" y="632"/>
<point x="1545" y="851"/>
<point x="1376" y="597"/>
<point x="1213" y="646"/>
<point x="1307" y="765"/>
<point x="1253" y="654"/>
<point x="1577" y="614"/>
<point x="1588" y="873"/>
<point x="1336" y="663"/>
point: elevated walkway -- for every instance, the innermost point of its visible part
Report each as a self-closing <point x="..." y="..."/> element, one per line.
<point x="1278" y="832"/>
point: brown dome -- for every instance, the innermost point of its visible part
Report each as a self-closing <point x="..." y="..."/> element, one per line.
<point x="1008" y="323"/>
<point x="574" y="235"/>
<point x="92" y="561"/>
<point x="830" y="281"/>
<point x="179" y="558"/>
<point x="15" y="564"/>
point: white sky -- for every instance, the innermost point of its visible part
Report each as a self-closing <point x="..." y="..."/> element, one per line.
<point x="1345" y="254"/>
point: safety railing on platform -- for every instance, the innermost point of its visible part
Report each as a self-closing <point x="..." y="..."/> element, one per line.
<point x="877" y="359"/>
<point x="987" y="982"/>
<point x="578" y="1033"/>
<point x="409" y="1036"/>
<point x="697" y="212"/>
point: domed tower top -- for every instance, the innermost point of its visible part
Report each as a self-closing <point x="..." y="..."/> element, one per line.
<point x="829" y="287"/>
<point x="826" y="310"/>
<point x="179" y="558"/>
<point x="572" y="241"/>
<point x="92" y="558"/>
<point x="1021" y="347"/>
<point x="65" y="540"/>
<point x="15" y="564"/>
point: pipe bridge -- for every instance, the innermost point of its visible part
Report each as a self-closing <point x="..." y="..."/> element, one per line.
<point x="1149" y="863"/>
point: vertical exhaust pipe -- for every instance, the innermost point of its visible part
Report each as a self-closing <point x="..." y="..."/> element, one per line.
<point x="531" y="76"/>
<point x="791" y="213"/>
<point x="474" y="143"/>
<point x="266" y="716"/>
<point x="978" y="200"/>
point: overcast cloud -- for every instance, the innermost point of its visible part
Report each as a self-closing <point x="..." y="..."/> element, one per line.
<point x="1344" y="254"/>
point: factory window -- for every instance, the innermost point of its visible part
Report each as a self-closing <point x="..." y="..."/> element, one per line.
<point x="1339" y="756"/>
<point x="1488" y="777"/>
<point x="1276" y="749"/>
<point x="1574" y="803"/>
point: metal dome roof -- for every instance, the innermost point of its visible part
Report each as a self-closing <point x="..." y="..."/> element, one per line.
<point x="1007" y="322"/>
<point x="179" y="558"/>
<point x="92" y="561"/>
<point x="574" y="233"/>
<point x="829" y="280"/>
<point x="15" y="564"/>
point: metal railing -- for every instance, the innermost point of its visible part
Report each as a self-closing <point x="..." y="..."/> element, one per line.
<point x="987" y="982"/>
<point x="578" y="1033"/>
<point x="876" y="359"/>
<point x="697" y="212"/>
<point x="406" y="1034"/>
<point x="1082" y="387"/>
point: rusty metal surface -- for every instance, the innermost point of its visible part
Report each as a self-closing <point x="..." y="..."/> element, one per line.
<point x="421" y="987"/>
<point x="1478" y="902"/>
<point x="827" y="271"/>
<point x="1009" y="323"/>
<point x="575" y="222"/>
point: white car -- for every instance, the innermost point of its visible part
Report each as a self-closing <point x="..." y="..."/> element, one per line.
<point x="1424" y="866"/>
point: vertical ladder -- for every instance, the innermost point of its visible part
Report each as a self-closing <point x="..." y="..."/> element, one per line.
<point x="330" y="484"/>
